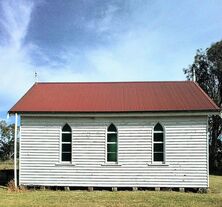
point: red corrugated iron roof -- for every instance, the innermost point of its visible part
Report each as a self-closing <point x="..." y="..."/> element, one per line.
<point x="114" y="97"/>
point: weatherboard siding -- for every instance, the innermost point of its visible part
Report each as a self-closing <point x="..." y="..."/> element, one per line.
<point x="186" y="152"/>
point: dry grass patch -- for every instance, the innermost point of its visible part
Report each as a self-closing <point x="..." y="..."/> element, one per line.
<point x="7" y="165"/>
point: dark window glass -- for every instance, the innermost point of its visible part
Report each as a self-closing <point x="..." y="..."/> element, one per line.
<point x="158" y="137"/>
<point x="66" y="128"/>
<point x="158" y="157"/>
<point x="112" y="137"/>
<point x="158" y="147"/>
<point x="112" y="148"/>
<point x="112" y="128"/>
<point x="66" y="147"/>
<point x="66" y="137"/>
<point x="66" y="156"/>
<point x="112" y="157"/>
<point x="158" y="127"/>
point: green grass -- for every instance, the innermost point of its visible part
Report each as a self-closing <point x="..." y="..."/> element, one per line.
<point x="114" y="199"/>
<point x="216" y="184"/>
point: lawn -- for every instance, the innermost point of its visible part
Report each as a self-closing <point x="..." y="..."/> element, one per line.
<point x="114" y="199"/>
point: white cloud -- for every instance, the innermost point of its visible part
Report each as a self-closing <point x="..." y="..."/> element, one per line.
<point x="16" y="17"/>
<point x="138" y="55"/>
<point x="13" y="65"/>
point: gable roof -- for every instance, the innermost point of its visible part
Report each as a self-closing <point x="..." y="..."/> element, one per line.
<point x="114" y="97"/>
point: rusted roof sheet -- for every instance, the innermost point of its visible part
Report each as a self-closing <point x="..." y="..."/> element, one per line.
<point x="114" y="97"/>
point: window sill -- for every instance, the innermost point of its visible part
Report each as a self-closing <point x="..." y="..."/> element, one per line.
<point x="111" y="164"/>
<point x="64" y="164"/>
<point x="158" y="164"/>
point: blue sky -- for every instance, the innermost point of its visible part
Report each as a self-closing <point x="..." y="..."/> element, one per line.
<point x="100" y="40"/>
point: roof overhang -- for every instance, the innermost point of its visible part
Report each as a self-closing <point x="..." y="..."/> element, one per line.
<point x="120" y="114"/>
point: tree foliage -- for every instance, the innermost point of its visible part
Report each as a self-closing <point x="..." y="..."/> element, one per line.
<point x="207" y="67"/>
<point x="6" y="140"/>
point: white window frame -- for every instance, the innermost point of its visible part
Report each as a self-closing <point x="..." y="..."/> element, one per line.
<point x="106" y="154"/>
<point x="61" y="142"/>
<point x="159" y="142"/>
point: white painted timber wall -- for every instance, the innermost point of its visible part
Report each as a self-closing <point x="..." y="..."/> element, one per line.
<point x="186" y="152"/>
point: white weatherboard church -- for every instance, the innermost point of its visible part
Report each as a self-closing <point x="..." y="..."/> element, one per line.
<point x="114" y="134"/>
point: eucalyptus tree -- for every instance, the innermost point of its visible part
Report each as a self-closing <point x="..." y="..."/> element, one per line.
<point x="207" y="69"/>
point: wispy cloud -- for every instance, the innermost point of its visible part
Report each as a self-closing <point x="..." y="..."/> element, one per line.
<point x="16" y="17"/>
<point x="14" y="77"/>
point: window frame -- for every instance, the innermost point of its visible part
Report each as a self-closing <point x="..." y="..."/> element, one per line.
<point x="61" y="142"/>
<point x="160" y="142"/>
<point x="106" y="145"/>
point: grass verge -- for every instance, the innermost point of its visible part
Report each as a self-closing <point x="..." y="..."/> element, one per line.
<point x="114" y="199"/>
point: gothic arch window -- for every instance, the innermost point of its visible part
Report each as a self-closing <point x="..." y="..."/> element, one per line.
<point x="112" y="143"/>
<point x="158" y="143"/>
<point x="66" y="144"/>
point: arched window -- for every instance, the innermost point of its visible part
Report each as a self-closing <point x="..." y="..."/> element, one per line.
<point x="158" y="143"/>
<point x="112" y="143"/>
<point x="66" y="148"/>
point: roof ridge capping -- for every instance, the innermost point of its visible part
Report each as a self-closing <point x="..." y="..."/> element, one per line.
<point x="113" y="82"/>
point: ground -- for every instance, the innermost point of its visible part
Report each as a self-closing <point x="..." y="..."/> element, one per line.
<point x="114" y="199"/>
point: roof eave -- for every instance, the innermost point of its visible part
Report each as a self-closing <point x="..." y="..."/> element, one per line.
<point x="204" y="112"/>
